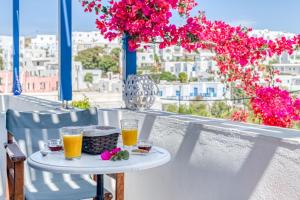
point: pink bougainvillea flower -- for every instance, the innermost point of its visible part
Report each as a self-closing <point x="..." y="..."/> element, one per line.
<point x="106" y="155"/>
<point x="238" y="54"/>
<point x="115" y="151"/>
<point x="239" y="115"/>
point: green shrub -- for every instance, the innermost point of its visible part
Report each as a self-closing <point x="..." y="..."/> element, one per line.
<point x="220" y="109"/>
<point x="170" y="108"/>
<point x="82" y="104"/>
<point x="198" y="108"/>
<point x="184" y="109"/>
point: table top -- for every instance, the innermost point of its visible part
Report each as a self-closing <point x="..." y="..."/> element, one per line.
<point x="92" y="164"/>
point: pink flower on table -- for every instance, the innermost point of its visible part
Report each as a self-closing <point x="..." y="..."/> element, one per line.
<point x="105" y="155"/>
<point x="115" y="151"/>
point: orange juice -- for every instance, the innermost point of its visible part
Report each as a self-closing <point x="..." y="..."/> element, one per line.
<point x="72" y="146"/>
<point x="130" y="137"/>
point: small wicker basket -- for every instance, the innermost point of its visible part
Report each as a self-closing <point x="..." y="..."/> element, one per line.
<point x="97" y="139"/>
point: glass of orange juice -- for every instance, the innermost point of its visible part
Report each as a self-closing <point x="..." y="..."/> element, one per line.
<point x="129" y="132"/>
<point x="72" y="141"/>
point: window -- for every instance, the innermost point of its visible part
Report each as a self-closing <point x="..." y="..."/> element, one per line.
<point x="210" y="90"/>
<point x="42" y="85"/>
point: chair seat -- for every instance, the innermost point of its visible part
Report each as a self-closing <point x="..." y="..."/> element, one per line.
<point x="61" y="187"/>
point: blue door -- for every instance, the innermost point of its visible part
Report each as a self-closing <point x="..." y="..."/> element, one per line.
<point x="195" y="91"/>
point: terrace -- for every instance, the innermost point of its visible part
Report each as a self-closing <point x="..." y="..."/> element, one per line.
<point x="211" y="159"/>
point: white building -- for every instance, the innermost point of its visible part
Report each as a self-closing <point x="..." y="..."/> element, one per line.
<point x="191" y="68"/>
<point x="288" y="68"/>
<point x="145" y="59"/>
<point x="289" y="82"/>
<point x="85" y="40"/>
<point x="6" y="44"/>
<point x="189" y="91"/>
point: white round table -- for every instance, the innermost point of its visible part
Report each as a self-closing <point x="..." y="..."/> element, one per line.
<point x="92" y="164"/>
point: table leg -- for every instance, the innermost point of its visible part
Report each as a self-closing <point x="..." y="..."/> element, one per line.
<point x="100" y="187"/>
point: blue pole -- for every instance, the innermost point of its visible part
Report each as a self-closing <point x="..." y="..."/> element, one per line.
<point x="16" y="49"/>
<point x="65" y="49"/>
<point x="129" y="59"/>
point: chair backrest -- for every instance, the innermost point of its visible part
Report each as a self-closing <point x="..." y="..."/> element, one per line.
<point x="31" y="131"/>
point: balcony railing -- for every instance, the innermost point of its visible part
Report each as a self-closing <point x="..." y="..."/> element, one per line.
<point x="212" y="159"/>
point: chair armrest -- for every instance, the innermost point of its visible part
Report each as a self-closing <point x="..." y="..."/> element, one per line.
<point x="14" y="153"/>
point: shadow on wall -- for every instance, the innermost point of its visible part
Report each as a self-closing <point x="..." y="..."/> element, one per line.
<point x="208" y="164"/>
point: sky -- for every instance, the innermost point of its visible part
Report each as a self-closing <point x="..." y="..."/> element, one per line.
<point x="41" y="16"/>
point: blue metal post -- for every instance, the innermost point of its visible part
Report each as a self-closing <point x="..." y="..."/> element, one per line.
<point x="16" y="50"/>
<point x="129" y="59"/>
<point x="65" y="49"/>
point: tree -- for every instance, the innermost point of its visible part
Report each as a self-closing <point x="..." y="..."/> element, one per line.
<point x="90" y="58"/>
<point x="107" y="64"/>
<point x="157" y="63"/>
<point x="96" y="58"/>
<point x="1" y="64"/>
<point x="88" y="78"/>
<point x="115" y="52"/>
<point x="183" y="77"/>
<point x="167" y="76"/>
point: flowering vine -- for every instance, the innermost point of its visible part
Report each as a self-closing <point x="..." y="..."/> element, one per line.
<point x="239" y="56"/>
<point x="239" y="115"/>
<point x="275" y="106"/>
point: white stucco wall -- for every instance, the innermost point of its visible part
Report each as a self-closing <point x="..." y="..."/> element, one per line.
<point x="215" y="159"/>
<point x="211" y="159"/>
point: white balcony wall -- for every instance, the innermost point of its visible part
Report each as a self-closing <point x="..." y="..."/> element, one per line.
<point x="214" y="159"/>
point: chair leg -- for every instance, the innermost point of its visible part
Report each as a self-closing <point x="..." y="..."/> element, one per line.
<point x="7" y="190"/>
<point x="19" y="181"/>
<point x="120" y="186"/>
<point x="108" y="196"/>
